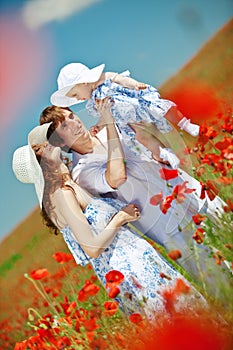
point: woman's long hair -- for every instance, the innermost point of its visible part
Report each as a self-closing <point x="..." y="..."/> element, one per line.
<point x="53" y="180"/>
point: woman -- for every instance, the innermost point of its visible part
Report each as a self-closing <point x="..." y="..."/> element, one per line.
<point x="95" y="231"/>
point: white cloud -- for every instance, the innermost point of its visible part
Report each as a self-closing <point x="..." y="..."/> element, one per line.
<point x="39" y="12"/>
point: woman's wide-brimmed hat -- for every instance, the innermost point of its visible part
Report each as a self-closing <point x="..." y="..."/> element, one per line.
<point x="25" y="164"/>
<point x="69" y="76"/>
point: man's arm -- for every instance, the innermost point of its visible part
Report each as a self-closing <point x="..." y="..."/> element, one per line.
<point x="116" y="168"/>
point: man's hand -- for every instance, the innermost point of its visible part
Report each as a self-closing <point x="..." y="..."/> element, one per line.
<point x="103" y="107"/>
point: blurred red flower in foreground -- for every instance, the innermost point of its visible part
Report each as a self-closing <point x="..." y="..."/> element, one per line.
<point x="39" y="274"/>
<point x="171" y="294"/>
<point x="184" y="333"/>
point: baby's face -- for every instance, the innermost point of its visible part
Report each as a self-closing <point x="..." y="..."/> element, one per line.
<point x="82" y="92"/>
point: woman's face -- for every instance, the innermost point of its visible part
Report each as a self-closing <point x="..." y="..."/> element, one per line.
<point x="49" y="152"/>
<point x="82" y="92"/>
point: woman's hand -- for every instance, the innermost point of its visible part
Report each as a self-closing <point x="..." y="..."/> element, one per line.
<point x="129" y="213"/>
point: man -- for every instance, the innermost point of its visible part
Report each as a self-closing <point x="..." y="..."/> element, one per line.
<point x="105" y="166"/>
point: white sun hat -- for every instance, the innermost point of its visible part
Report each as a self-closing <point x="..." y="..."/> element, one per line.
<point x="25" y="164"/>
<point x="70" y="75"/>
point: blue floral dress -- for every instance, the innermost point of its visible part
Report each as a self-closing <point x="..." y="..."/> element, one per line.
<point x="130" y="254"/>
<point x="132" y="106"/>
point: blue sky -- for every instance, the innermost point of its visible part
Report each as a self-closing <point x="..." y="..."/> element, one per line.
<point x="151" y="38"/>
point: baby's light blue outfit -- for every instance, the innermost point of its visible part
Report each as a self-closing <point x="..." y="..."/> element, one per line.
<point x="132" y="106"/>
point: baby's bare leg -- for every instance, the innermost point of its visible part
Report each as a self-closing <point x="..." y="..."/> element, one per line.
<point x="176" y="117"/>
<point x="147" y="139"/>
<point x="173" y="115"/>
<point x="171" y="139"/>
<point x="146" y="134"/>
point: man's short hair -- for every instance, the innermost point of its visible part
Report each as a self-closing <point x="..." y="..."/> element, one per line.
<point x="55" y="115"/>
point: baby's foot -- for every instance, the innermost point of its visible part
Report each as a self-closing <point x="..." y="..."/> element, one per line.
<point x="168" y="156"/>
<point x="190" y="128"/>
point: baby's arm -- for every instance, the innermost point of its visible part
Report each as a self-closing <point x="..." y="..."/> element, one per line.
<point x="127" y="82"/>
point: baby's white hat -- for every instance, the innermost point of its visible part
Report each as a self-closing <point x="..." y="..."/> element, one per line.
<point x="69" y="76"/>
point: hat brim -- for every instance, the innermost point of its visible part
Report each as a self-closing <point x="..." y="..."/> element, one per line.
<point x="25" y="164"/>
<point x="38" y="135"/>
<point x="59" y="98"/>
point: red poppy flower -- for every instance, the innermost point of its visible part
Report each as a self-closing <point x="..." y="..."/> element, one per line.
<point x="39" y="274"/>
<point x="61" y="257"/>
<point x="135" y="318"/>
<point x="168" y="174"/>
<point x="68" y="307"/>
<point x="88" y="290"/>
<point x="229" y="207"/>
<point x="219" y="258"/>
<point x="99" y="343"/>
<point x="199" y="235"/>
<point x="90" y="325"/>
<point x="156" y="199"/>
<point x="174" y="254"/>
<point x="111" y="308"/>
<point x="181" y="287"/>
<point x="207" y="132"/>
<point x="180" y="190"/>
<point x="166" y="204"/>
<point x="228" y="125"/>
<point x="224" y="143"/>
<point x="210" y="188"/>
<point x="113" y="291"/>
<point x="114" y="277"/>
<point x="198" y="218"/>
<point x="63" y="342"/>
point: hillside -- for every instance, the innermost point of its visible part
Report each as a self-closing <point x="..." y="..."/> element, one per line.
<point x="202" y="88"/>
